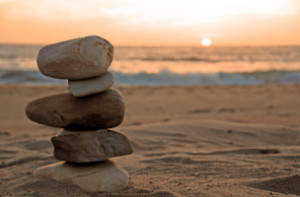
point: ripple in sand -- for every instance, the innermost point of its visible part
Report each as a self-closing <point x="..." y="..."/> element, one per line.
<point x="286" y="185"/>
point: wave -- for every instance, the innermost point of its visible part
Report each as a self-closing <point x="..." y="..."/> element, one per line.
<point x="26" y="77"/>
<point x="208" y="59"/>
<point x="184" y="59"/>
<point x="164" y="77"/>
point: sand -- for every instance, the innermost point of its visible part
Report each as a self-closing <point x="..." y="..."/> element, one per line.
<point x="188" y="141"/>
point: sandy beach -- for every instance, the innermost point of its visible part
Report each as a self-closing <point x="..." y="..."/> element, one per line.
<point x="187" y="140"/>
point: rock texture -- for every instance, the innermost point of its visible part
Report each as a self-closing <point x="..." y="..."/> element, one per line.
<point x="100" y="111"/>
<point x="90" y="146"/>
<point x="75" y="59"/>
<point x="91" y="86"/>
<point x="101" y="177"/>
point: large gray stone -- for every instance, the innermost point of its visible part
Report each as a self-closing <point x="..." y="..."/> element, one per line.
<point x="99" y="111"/>
<point x="91" y="86"/>
<point x="90" y="146"/>
<point x="75" y="59"/>
<point x="96" y="177"/>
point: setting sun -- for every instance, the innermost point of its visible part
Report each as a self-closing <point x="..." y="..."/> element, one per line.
<point x="206" y="42"/>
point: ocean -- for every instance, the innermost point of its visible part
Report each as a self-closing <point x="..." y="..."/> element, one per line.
<point x="171" y="65"/>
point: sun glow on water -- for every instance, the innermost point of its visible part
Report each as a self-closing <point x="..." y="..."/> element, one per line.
<point x="206" y="42"/>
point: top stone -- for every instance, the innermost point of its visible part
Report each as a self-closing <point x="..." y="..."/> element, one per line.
<point x="76" y="59"/>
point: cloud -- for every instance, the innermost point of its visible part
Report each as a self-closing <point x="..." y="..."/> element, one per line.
<point x="146" y="22"/>
<point x="51" y="10"/>
<point x="146" y="11"/>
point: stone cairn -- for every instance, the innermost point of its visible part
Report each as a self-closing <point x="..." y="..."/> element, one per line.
<point x="85" y="144"/>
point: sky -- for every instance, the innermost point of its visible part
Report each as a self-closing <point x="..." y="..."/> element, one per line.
<point x="152" y="22"/>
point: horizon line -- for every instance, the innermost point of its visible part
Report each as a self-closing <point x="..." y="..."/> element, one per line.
<point x="170" y="45"/>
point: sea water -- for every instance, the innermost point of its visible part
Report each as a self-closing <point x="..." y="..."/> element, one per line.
<point x="171" y="65"/>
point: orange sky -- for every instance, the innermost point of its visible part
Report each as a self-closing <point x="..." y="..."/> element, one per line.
<point x="152" y="22"/>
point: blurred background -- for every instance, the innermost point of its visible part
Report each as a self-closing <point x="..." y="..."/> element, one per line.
<point x="178" y="42"/>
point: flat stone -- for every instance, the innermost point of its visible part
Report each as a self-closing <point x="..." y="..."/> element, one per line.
<point x="90" y="146"/>
<point x="99" y="111"/>
<point x="91" y="86"/>
<point x="95" y="177"/>
<point x="75" y="59"/>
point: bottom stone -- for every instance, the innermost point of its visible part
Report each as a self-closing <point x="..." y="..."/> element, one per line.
<point x="93" y="177"/>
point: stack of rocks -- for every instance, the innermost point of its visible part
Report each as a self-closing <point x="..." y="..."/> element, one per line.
<point x="85" y="144"/>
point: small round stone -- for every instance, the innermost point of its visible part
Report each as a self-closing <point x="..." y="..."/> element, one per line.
<point x="96" y="177"/>
<point x="99" y="111"/>
<point x="76" y="59"/>
<point x="90" y="146"/>
<point x="86" y="87"/>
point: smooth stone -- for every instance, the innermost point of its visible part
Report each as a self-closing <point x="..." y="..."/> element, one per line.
<point x="90" y="146"/>
<point x="99" y="111"/>
<point x="96" y="177"/>
<point x="91" y="86"/>
<point x="75" y="59"/>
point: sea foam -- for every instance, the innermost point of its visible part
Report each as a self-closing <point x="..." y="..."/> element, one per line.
<point x="164" y="77"/>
